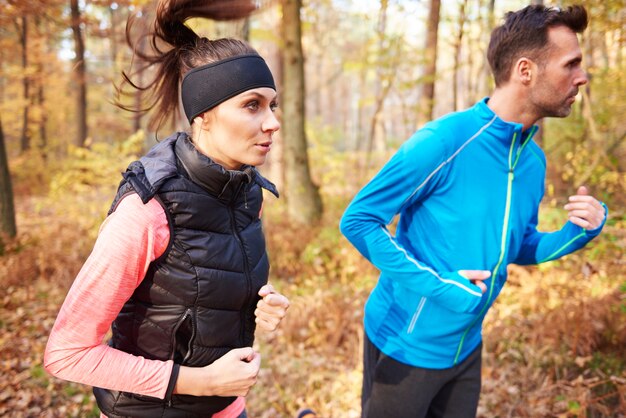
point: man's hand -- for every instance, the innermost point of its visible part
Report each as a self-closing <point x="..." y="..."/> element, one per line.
<point x="584" y="210"/>
<point x="271" y="309"/>
<point x="476" y="277"/>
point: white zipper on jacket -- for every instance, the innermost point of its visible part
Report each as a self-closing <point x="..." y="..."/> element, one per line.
<point x="505" y="231"/>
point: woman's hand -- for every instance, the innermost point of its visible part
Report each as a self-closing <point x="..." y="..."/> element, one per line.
<point x="233" y="374"/>
<point x="271" y="309"/>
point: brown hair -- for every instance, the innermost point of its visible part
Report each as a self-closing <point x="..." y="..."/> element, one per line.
<point x="525" y="33"/>
<point x="176" y="49"/>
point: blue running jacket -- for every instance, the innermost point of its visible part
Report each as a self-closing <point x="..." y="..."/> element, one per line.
<point x="467" y="187"/>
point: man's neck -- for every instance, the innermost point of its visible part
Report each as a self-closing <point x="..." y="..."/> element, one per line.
<point x="510" y="106"/>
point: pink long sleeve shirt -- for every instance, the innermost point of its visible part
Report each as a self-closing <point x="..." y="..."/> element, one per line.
<point x="129" y="240"/>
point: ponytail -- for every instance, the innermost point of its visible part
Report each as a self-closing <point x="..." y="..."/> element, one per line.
<point x="175" y="49"/>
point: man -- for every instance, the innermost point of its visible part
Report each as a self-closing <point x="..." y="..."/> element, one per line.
<point x="467" y="188"/>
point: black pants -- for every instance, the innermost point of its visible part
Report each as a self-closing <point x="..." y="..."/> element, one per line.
<point x="396" y="390"/>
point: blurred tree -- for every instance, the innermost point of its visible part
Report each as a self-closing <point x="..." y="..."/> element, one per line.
<point x="245" y="29"/>
<point x="538" y="138"/>
<point x="388" y="55"/>
<point x="141" y="78"/>
<point x="21" y="26"/>
<point x="80" y="74"/>
<point x="32" y="70"/>
<point x="487" y="23"/>
<point x="40" y="82"/>
<point x="141" y="74"/>
<point x="382" y="84"/>
<point x="473" y="69"/>
<point x="427" y="99"/>
<point x="457" y="53"/>
<point x="7" y="210"/>
<point x="304" y="204"/>
<point x="115" y="39"/>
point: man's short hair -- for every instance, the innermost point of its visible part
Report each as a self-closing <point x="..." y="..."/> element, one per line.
<point x="525" y="33"/>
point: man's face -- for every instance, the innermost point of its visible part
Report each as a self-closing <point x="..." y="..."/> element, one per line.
<point x="559" y="75"/>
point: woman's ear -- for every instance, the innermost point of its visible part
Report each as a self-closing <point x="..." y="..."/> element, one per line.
<point x="199" y="120"/>
<point x="197" y="125"/>
<point x="204" y="119"/>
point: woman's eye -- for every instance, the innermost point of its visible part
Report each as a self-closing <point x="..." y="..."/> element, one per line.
<point x="253" y="105"/>
<point x="273" y="106"/>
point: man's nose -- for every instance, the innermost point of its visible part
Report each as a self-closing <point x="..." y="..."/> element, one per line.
<point x="582" y="78"/>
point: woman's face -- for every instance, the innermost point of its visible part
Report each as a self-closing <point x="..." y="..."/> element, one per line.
<point x="239" y="131"/>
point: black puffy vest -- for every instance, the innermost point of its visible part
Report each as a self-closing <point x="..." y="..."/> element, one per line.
<point x="197" y="300"/>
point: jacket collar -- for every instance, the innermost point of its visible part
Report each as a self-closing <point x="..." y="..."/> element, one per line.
<point x="506" y="128"/>
<point x="211" y="176"/>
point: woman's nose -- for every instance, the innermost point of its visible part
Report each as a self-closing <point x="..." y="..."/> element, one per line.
<point x="271" y="123"/>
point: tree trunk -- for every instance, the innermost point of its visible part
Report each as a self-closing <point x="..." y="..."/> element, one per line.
<point x="245" y="29"/>
<point x="274" y="165"/>
<point x="361" y="138"/>
<point x="427" y="98"/>
<point x="142" y="48"/>
<point x="304" y="204"/>
<point x="80" y="73"/>
<point x="40" y="81"/>
<point x="474" y="62"/>
<point x="490" y="23"/>
<point x="113" y="36"/>
<point x="25" y="135"/>
<point x="382" y="84"/>
<point x="457" y="55"/>
<point x="603" y="39"/>
<point x="538" y="138"/>
<point x="43" y="118"/>
<point x="7" y="210"/>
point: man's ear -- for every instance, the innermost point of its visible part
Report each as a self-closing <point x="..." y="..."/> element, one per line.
<point x="523" y="70"/>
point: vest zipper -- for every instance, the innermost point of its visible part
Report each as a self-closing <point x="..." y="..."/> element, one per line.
<point x="191" y="338"/>
<point x="505" y="232"/>
<point x="176" y="327"/>
<point x="246" y="267"/>
<point x="178" y="324"/>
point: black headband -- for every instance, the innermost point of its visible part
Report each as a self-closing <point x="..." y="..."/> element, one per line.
<point x="205" y="87"/>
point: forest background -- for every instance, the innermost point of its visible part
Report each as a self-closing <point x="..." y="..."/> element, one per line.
<point x="356" y="78"/>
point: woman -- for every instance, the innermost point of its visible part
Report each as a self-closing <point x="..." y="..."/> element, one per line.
<point x="179" y="269"/>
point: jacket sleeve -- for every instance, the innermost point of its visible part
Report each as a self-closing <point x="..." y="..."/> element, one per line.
<point x="539" y="247"/>
<point x="132" y="237"/>
<point x="409" y="176"/>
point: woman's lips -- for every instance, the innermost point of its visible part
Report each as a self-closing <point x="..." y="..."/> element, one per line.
<point x="264" y="146"/>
